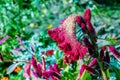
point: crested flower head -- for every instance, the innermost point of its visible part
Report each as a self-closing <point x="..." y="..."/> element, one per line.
<point x="64" y="35"/>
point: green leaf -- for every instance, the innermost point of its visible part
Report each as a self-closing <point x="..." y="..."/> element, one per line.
<point x="86" y="76"/>
<point x="67" y="69"/>
<point x="111" y="40"/>
<point x="107" y="73"/>
<point x="101" y="31"/>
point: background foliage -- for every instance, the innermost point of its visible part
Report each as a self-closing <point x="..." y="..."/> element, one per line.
<point x="30" y="20"/>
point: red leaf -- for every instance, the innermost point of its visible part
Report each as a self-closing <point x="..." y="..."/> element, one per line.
<point x="115" y="53"/>
<point x="50" y="52"/>
<point x="27" y="70"/>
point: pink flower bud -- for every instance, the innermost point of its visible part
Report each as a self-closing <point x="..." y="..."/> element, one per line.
<point x="79" y="20"/>
<point x="81" y="23"/>
<point x="87" y="15"/>
<point x="104" y="48"/>
<point x="90" y="28"/>
<point x="102" y="54"/>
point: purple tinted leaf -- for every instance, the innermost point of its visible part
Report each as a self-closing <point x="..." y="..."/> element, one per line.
<point x="17" y="49"/>
<point x="34" y="62"/>
<point x="115" y="53"/>
<point x="17" y="53"/>
<point x="89" y="69"/>
<point x="27" y="70"/>
<point x="93" y="62"/>
<point x="35" y="74"/>
<point x="4" y="39"/>
<point x="1" y="58"/>
<point x="83" y="67"/>
<point x="20" y="40"/>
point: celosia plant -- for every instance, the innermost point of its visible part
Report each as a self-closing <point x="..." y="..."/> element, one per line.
<point x="65" y="35"/>
<point x="36" y="63"/>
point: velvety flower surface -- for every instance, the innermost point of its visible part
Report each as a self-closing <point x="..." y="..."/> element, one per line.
<point x="64" y="35"/>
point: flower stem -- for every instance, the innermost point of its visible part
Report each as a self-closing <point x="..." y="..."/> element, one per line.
<point x="97" y="55"/>
<point x="101" y="68"/>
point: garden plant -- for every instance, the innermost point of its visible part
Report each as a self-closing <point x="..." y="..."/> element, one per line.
<point x="75" y="50"/>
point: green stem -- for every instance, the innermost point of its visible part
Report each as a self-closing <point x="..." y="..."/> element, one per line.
<point x="102" y="71"/>
<point x="97" y="56"/>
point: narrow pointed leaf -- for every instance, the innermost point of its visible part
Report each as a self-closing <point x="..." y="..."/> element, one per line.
<point x="12" y="67"/>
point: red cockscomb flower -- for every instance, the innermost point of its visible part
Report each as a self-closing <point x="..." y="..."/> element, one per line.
<point x="64" y="35"/>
